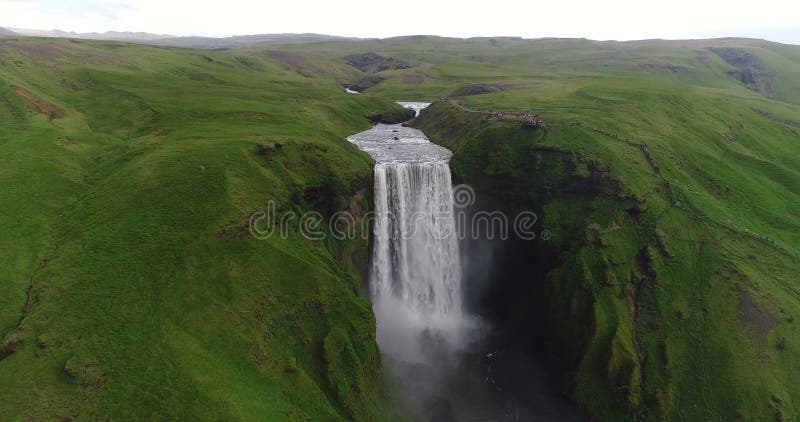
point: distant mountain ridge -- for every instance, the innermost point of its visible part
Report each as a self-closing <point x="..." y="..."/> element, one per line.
<point x="167" y="40"/>
<point x="244" y="40"/>
<point x="238" y="41"/>
<point x="109" y="35"/>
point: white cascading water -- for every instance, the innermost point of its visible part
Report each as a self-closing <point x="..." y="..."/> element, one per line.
<point x="415" y="278"/>
<point x="416" y="252"/>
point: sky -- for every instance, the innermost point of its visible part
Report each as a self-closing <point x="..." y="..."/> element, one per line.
<point x="775" y="20"/>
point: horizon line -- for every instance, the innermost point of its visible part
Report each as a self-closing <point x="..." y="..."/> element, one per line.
<point x="67" y="34"/>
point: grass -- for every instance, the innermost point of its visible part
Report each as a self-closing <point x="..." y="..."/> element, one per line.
<point x="126" y="271"/>
<point x="678" y="345"/>
<point x="132" y="291"/>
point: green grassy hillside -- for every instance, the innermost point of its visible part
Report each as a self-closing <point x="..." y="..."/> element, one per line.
<point x="132" y="289"/>
<point x="440" y="65"/>
<point x="672" y="296"/>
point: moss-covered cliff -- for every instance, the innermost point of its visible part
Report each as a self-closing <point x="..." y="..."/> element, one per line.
<point x="653" y="311"/>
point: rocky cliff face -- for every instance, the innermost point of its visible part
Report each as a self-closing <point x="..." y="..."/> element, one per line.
<point x="374" y="63"/>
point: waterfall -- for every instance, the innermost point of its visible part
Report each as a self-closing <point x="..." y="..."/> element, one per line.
<point x="415" y="278"/>
<point x="415" y="255"/>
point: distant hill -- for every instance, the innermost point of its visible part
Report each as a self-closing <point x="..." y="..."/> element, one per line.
<point x="244" y="40"/>
<point x="136" y="37"/>
<point x="166" y="40"/>
<point x="4" y="31"/>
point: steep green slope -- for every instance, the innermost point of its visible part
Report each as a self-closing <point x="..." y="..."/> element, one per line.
<point x="131" y="287"/>
<point x="668" y="300"/>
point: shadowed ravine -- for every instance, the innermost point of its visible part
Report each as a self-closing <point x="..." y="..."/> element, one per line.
<point x="448" y="363"/>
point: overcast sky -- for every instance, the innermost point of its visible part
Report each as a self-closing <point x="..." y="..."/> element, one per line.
<point x="776" y="20"/>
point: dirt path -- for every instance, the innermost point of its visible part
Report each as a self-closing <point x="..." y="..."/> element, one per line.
<point x="531" y="119"/>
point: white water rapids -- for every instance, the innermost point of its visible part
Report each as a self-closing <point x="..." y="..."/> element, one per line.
<point x="415" y="278"/>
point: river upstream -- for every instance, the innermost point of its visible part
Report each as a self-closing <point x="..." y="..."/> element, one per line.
<point x="446" y="362"/>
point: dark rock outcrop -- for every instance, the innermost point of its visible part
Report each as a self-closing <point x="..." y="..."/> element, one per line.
<point x="393" y="116"/>
<point x="476" y="89"/>
<point x="374" y="63"/>
<point x="366" y="83"/>
<point x="749" y="69"/>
